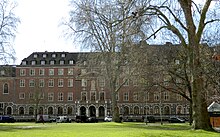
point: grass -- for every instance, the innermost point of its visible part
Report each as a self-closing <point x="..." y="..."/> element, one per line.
<point x="110" y="129"/>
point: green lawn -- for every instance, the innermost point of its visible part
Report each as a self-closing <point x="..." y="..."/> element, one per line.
<point x="100" y="130"/>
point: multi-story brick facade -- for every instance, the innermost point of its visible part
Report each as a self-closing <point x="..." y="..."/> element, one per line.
<point x="59" y="83"/>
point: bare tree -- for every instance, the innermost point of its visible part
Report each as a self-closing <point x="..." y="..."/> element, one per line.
<point x="107" y="27"/>
<point x="186" y="21"/>
<point x="8" y="26"/>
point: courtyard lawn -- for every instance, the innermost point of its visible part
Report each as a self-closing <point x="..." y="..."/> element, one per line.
<point x="108" y="129"/>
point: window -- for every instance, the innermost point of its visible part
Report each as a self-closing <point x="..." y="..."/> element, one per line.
<point x="42" y="62"/>
<point x="5" y="88"/>
<point x="2" y="72"/>
<point x="60" y="96"/>
<point x="147" y="96"/>
<point x="41" y="72"/>
<point x="177" y="62"/>
<point x="126" y="82"/>
<point x="51" y="83"/>
<point x="126" y="96"/>
<point x="60" y="71"/>
<point x="83" y="96"/>
<point x="33" y="62"/>
<point x="32" y="72"/>
<point x="21" y="95"/>
<point x="70" y="71"/>
<point x="35" y="55"/>
<point x="52" y="62"/>
<point x="41" y="95"/>
<point x="156" y="96"/>
<point x="54" y="55"/>
<point x="31" y="83"/>
<point x="93" y="85"/>
<point x="50" y="96"/>
<point x="44" y="55"/>
<point x="61" y="62"/>
<point x="63" y="55"/>
<point x="102" y="96"/>
<point x="70" y="82"/>
<point x="60" y="82"/>
<point x="22" y="72"/>
<point x="41" y="82"/>
<point x="166" y="96"/>
<point x="135" y="82"/>
<point x="135" y="96"/>
<point x="71" y="62"/>
<point x="51" y="72"/>
<point x="22" y="83"/>
<point x="84" y="82"/>
<point x="117" y="97"/>
<point x="102" y="82"/>
<point x="92" y="96"/>
<point x="83" y="71"/>
<point x="31" y="96"/>
<point x="70" y="96"/>
<point x="179" y="97"/>
<point x="24" y="62"/>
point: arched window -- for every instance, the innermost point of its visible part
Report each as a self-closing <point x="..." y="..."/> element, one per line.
<point x="5" y="88"/>
<point x="31" y="111"/>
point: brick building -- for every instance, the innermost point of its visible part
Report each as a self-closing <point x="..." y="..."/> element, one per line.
<point x="60" y="83"/>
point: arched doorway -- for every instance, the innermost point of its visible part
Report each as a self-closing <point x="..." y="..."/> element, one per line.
<point x="179" y="110"/>
<point x="101" y="111"/>
<point x="21" y="111"/>
<point x="82" y="110"/>
<point x="156" y="110"/>
<point x="136" y="110"/>
<point x="92" y="111"/>
<point x="59" y="111"/>
<point x="166" y="110"/>
<point x="69" y="110"/>
<point x="126" y="110"/>
<point x="50" y="111"/>
<point x="9" y="111"/>
<point x="31" y="111"/>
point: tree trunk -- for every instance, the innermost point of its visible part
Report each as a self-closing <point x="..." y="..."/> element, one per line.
<point x="115" y="111"/>
<point x="201" y="118"/>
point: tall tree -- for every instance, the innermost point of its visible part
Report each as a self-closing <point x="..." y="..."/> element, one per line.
<point x="8" y="26"/>
<point x="107" y="27"/>
<point x="187" y="21"/>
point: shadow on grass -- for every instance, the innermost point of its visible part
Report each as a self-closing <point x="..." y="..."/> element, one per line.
<point x="14" y="127"/>
<point x="153" y="126"/>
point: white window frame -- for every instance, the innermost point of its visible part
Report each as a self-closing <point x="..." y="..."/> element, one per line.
<point x="50" y="96"/>
<point x="70" y="96"/>
<point x="70" y="82"/>
<point x="22" y="83"/>
<point x="22" y="72"/>
<point x="60" y="71"/>
<point x="60" y="82"/>
<point x="51" y="83"/>
<point x="51" y="72"/>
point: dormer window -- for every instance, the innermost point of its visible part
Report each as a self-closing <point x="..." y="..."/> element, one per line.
<point x="71" y="62"/>
<point x="35" y="55"/>
<point x="61" y="62"/>
<point x="52" y="62"/>
<point x="42" y="62"/>
<point x="33" y="62"/>
<point x="63" y="55"/>
<point x="24" y="63"/>
<point x="44" y="55"/>
<point x="54" y="55"/>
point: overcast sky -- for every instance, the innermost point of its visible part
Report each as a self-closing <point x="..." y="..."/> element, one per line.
<point x="38" y="30"/>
